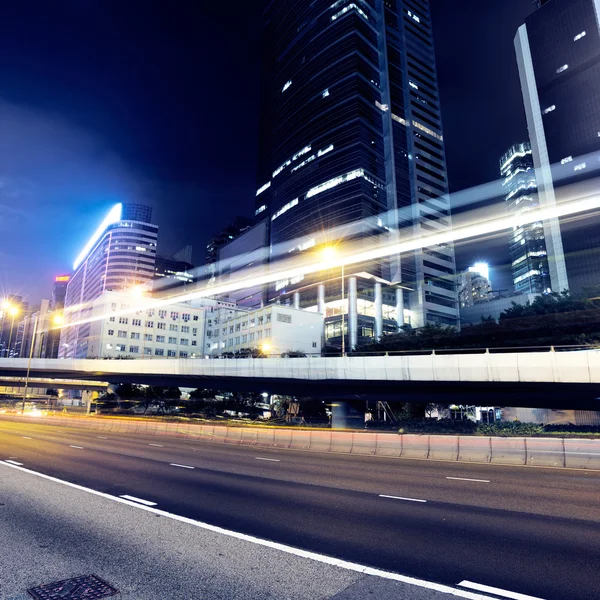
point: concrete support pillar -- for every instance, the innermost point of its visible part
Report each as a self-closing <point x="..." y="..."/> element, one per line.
<point x="296" y="299"/>
<point x="321" y="299"/>
<point x="400" y="306"/>
<point x="352" y="313"/>
<point x="378" y="311"/>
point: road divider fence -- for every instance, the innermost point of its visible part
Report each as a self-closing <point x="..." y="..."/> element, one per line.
<point x="536" y="451"/>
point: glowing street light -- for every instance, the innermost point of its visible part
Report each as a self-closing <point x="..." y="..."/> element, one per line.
<point x="328" y="255"/>
<point x="58" y="320"/>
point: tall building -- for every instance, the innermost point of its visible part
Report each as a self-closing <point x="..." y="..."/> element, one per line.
<point x="234" y="229"/>
<point x="351" y="150"/>
<point x="527" y="245"/>
<point x="558" y="54"/>
<point x="474" y="285"/>
<point x="119" y="256"/>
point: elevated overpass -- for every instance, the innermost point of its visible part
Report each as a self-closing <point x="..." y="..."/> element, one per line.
<point x="534" y="379"/>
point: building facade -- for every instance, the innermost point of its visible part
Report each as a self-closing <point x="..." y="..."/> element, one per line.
<point x="558" y="54"/>
<point x="352" y="155"/>
<point x="527" y="244"/>
<point x="120" y="255"/>
<point x="273" y="330"/>
<point x="474" y="286"/>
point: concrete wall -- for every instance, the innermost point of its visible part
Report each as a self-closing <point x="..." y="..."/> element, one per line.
<point x="547" y="452"/>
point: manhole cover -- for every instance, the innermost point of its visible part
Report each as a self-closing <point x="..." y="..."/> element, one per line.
<point x="78" y="588"/>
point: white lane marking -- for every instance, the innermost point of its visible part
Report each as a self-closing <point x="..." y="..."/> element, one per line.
<point x="401" y="498"/>
<point x="467" y="479"/>
<point x="102" y="437"/>
<point x="138" y="500"/>
<point x="329" y="560"/>
<point x="182" y="466"/>
<point x="269" y="459"/>
<point x="497" y="591"/>
<point x="14" y="462"/>
<point x="158" y="445"/>
<point x="26" y="438"/>
<point x="78" y="447"/>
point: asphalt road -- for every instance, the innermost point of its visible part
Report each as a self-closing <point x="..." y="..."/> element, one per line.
<point x="528" y="530"/>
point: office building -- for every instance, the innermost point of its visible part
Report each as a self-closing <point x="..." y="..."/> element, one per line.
<point x="272" y="330"/>
<point x="234" y="229"/>
<point x="119" y="256"/>
<point x="558" y="54"/>
<point x="352" y="154"/>
<point x="12" y="309"/>
<point x="174" y="331"/>
<point x="527" y="245"/>
<point x="474" y="285"/>
<point x="170" y="272"/>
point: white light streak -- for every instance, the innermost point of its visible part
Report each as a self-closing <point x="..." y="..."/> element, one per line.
<point x="113" y="216"/>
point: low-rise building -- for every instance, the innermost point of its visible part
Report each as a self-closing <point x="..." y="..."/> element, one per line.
<point x="472" y="315"/>
<point x="272" y="330"/>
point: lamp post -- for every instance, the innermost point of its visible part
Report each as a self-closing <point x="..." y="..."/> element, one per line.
<point x="57" y="320"/>
<point x="328" y="254"/>
<point x="267" y="347"/>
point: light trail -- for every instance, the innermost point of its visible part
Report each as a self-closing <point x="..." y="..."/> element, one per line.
<point x="355" y="253"/>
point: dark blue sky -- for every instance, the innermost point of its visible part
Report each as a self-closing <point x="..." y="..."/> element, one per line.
<point x="105" y="100"/>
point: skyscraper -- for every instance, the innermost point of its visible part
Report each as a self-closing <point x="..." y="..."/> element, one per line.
<point x="119" y="256"/>
<point x="527" y="246"/>
<point x="474" y="285"/>
<point x="351" y="148"/>
<point x="558" y="54"/>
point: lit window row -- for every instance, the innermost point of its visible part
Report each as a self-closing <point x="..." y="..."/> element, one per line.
<point x="351" y="6"/>
<point x="561" y="69"/>
<point x="413" y="85"/>
<point x="527" y="275"/>
<point x="579" y="36"/>
<point x="327" y="185"/>
<point x="580" y="167"/>
<point x="289" y="161"/>
<point x="285" y="208"/>
<point x="566" y="160"/>
<point x="313" y="157"/>
<point x="286" y="86"/>
<point x="549" y="109"/>
<point x="326" y="93"/>
<point x="260" y="209"/>
<point x="413" y="16"/>
<point x="260" y="190"/>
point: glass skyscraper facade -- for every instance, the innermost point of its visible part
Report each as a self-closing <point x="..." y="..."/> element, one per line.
<point x="527" y="246"/>
<point x="120" y="255"/>
<point x="351" y="149"/>
<point x="558" y="53"/>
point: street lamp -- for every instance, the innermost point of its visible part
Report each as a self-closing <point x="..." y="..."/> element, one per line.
<point x="266" y="347"/>
<point x="328" y="255"/>
<point x="13" y="311"/>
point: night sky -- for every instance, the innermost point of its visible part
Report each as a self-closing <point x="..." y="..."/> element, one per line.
<point x="103" y="101"/>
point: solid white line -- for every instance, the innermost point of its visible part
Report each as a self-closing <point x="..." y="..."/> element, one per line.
<point x="102" y="437"/>
<point x="560" y="452"/>
<point x="467" y="479"/>
<point x="182" y="466"/>
<point x="78" y="447"/>
<point x="270" y="459"/>
<point x="26" y="438"/>
<point x="497" y="591"/>
<point x="14" y="462"/>
<point x="138" y="500"/>
<point x="329" y="560"/>
<point x="401" y="498"/>
<point x="158" y="445"/>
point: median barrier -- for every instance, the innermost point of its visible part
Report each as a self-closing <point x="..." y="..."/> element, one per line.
<point x="474" y="449"/>
<point x="545" y="452"/>
<point x="300" y="440"/>
<point x="321" y="441"/>
<point x="364" y="443"/>
<point x="537" y="451"/>
<point x="388" y="445"/>
<point x="283" y="438"/>
<point x="443" y="447"/>
<point x="582" y="454"/>
<point x="509" y="451"/>
<point x="415" y="445"/>
<point x="249" y="436"/>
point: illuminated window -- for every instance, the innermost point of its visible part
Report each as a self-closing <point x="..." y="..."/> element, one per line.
<point x="325" y="93"/>
<point x="566" y="160"/>
<point x="327" y="185"/>
<point x="561" y="69"/>
<point x="256" y="212"/>
<point x="579" y="36"/>
<point x="351" y="6"/>
<point x="413" y="85"/>
<point x="413" y="16"/>
<point x="286" y="86"/>
<point x="580" y="167"/>
<point x="285" y="208"/>
<point x="260" y="190"/>
<point x="549" y="109"/>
